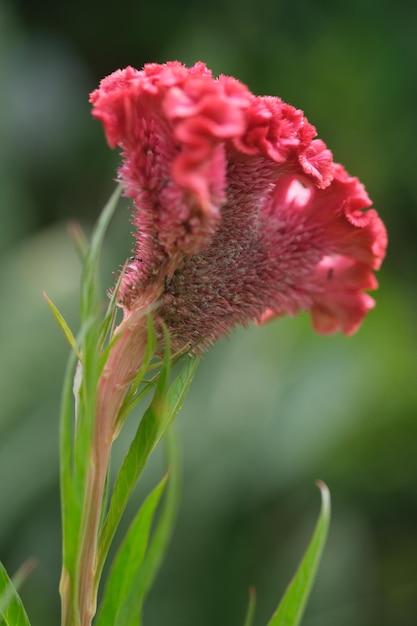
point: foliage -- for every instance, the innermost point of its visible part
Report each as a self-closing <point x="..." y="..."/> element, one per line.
<point x="91" y="514"/>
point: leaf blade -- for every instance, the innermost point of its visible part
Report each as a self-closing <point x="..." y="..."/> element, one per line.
<point x="134" y="462"/>
<point x="128" y="560"/>
<point x="291" y="608"/>
<point x="89" y="278"/>
<point x="76" y="436"/>
<point x="157" y="418"/>
<point x="161" y="537"/>
<point x="63" y="325"/>
<point x="12" y="612"/>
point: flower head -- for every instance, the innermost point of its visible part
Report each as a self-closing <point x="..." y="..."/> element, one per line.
<point x="240" y="212"/>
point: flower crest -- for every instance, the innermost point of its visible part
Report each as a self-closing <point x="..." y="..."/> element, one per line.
<point x="240" y="212"/>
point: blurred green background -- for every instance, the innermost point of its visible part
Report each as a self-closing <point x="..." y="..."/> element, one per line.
<point x="272" y="408"/>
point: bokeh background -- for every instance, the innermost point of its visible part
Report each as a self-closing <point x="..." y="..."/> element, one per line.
<point x="271" y="409"/>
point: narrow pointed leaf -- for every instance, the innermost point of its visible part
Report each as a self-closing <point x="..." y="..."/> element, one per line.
<point x="291" y="608"/>
<point x="157" y="418"/>
<point x="12" y="612"/>
<point x="63" y="326"/>
<point x="109" y="320"/>
<point x="134" y="462"/>
<point x="179" y="388"/>
<point x="90" y="347"/>
<point x="77" y="435"/>
<point x="91" y="334"/>
<point x="89" y="309"/>
<point x="160" y="538"/>
<point x="69" y="511"/>
<point x="88" y="303"/>
<point x="121" y="581"/>
<point x="103" y="222"/>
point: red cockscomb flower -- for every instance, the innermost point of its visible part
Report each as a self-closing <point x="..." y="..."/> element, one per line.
<point x="240" y="213"/>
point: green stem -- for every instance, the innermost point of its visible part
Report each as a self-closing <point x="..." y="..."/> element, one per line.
<point x="123" y="363"/>
<point x="96" y="483"/>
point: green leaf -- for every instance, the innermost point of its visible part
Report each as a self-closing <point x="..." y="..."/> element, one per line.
<point x="76" y="435"/>
<point x="134" y="462"/>
<point x="12" y="612"/>
<point x="89" y="280"/>
<point x="161" y="536"/>
<point x="250" y="613"/>
<point x="109" y="321"/>
<point x="90" y="338"/>
<point x="69" y="511"/>
<point x="121" y="581"/>
<point x="155" y="421"/>
<point x="291" y="608"/>
<point x="179" y="388"/>
<point x="63" y="325"/>
<point x="90" y="333"/>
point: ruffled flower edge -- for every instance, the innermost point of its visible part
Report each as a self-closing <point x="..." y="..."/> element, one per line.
<point x="201" y="115"/>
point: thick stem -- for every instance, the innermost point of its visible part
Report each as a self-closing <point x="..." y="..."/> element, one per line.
<point x="92" y="510"/>
<point x="67" y="619"/>
<point x="122" y="365"/>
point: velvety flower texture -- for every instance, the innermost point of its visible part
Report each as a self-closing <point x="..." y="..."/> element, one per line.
<point x="240" y="213"/>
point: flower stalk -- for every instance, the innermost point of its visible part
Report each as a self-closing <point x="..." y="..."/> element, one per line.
<point x="124" y="360"/>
